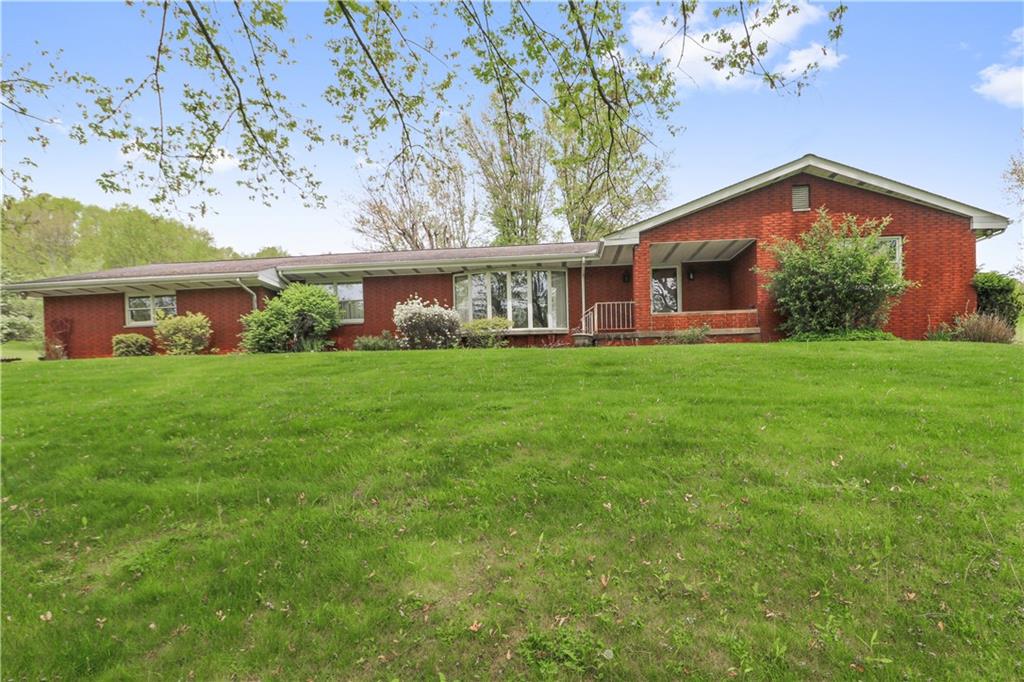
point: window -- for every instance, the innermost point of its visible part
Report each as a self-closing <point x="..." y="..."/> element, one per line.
<point x="532" y="299"/>
<point x="665" y="290"/>
<point x="350" y="300"/>
<point x="145" y="310"/>
<point x="801" y="197"/>
<point x="894" y="245"/>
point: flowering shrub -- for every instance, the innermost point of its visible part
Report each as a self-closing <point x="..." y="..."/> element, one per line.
<point x="426" y="325"/>
<point x="186" y="334"/>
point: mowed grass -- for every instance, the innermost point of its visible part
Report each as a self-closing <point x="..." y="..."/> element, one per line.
<point x="764" y="511"/>
<point x="23" y="350"/>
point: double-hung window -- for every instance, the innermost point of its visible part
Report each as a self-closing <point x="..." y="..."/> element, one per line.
<point x="531" y="299"/>
<point x="350" y="300"/>
<point x="143" y="310"/>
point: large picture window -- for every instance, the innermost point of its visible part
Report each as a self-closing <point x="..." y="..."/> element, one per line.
<point x="531" y="299"/>
<point x="350" y="300"/>
<point x="145" y="310"/>
<point x="665" y="290"/>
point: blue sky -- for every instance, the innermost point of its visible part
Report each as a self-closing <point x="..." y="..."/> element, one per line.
<point x="929" y="94"/>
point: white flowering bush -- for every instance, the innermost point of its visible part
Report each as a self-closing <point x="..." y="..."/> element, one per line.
<point x="421" y="324"/>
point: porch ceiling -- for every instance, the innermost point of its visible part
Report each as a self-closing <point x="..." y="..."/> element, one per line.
<point x="671" y="253"/>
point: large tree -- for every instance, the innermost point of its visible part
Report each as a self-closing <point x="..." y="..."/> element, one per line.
<point x="392" y="80"/>
<point x="511" y="160"/>
<point x="602" y="187"/>
<point x="419" y="206"/>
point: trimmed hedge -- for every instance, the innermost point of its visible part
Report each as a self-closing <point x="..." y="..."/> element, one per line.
<point x="131" y="345"/>
<point x="491" y="332"/>
<point x="999" y="295"/>
<point x="383" y="342"/>
<point x="186" y="334"/>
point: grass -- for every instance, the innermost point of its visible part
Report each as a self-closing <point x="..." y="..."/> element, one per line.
<point x="833" y="510"/>
<point x="24" y="350"/>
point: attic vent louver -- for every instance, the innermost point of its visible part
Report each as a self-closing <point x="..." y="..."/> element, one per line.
<point x="801" y="198"/>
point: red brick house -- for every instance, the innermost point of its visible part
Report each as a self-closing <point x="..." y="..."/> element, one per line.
<point x="685" y="267"/>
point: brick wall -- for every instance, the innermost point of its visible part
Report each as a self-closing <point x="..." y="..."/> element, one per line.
<point x="938" y="250"/>
<point x="93" y="320"/>
<point x="380" y="294"/>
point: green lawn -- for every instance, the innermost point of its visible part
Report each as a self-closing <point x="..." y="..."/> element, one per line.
<point x="771" y="511"/>
<point x="24" y="350"/>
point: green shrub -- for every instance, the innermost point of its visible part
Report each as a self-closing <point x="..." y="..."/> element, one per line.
<point x="835" y="277"/>
<point x="186" y="334"/>
<point x="491" y="332"/>
<point x="984" y="328"/>
<point x="426" y="325"/>
<point x="298" y="319"/>
<point x="999" y="295"/>
<point x="846" y="335"/>
<point x="131" y="345"/>
<point x="383" y="342"/>
<point x="689" y="336"/>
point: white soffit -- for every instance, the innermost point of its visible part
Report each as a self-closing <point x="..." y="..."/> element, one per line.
<point x="706" y="251"/>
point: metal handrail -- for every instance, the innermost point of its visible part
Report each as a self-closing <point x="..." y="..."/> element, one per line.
<point x="608" y="316"/>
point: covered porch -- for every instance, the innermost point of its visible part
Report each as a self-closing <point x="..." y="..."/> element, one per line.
<point x="680" y="285"/>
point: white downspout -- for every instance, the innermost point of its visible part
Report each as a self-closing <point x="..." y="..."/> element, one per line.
<point x="255" y="300"/>
<point x="583" y="284"/>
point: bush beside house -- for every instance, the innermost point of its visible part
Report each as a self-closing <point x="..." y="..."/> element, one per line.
<point x="300" y="318"/>
<point x="999" y="295"/>
<point x="423" y="325"/>
<point x="835" y="278"/>
<point x="131" y="345"/>
<point x="491" y="332"/>
<point x="186" y="334"/>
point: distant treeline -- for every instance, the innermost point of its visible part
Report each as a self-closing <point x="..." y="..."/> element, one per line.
<point x="48" y="236"/>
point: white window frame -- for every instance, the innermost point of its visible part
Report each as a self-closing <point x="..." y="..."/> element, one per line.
<point x="333" y="288"/>
<point x="898" y="239"/>
<point x="129" y="322"/>
<point x="679" y="288"/>
<point x="508" y="296"/>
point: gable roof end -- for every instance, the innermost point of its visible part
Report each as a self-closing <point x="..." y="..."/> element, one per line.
<point x="985" y="223"/>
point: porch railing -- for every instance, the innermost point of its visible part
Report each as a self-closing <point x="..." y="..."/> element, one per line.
<point x="612" y="316"/>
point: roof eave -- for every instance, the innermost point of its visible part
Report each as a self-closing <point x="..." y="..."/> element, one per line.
<point x="43" y="286"/>
<point x="981" y="220"/>
<point x="456" y="263"/>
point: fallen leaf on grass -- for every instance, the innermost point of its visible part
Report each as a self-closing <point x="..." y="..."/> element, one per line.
<point x="604" y="581"/>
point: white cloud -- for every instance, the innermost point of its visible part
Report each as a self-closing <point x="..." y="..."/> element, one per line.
<point x="798" y="60"/>
<point x="224" y="162"/>
<point x="662" y="35"/>
<point x="1004" y="83"/>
